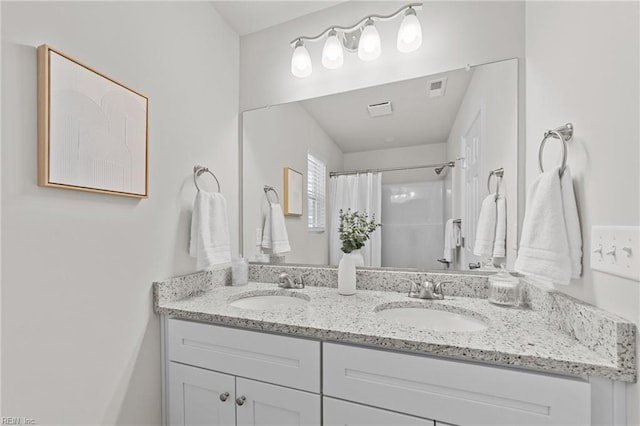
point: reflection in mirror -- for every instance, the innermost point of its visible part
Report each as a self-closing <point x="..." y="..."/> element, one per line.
<point x="419" y="154"/>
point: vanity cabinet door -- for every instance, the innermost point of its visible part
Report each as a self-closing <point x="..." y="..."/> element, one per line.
<point x="272" y="405"/>
<point x="342" y="413"/>
<point x="196" y="397"/>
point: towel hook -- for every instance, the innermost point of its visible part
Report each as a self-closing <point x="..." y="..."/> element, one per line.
<point x="564" y="134"/>
<point x="268" y="189"/>
<point x="498" y="173"/>
<point x="199" y="170"/>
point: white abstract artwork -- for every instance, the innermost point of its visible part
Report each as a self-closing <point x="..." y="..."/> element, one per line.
<point x="97" y="131"/>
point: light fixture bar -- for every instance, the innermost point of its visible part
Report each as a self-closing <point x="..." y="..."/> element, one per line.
<point x="415" y="6"/>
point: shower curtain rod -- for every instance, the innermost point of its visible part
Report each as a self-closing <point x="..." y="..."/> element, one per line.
<point x="392" y="169"/>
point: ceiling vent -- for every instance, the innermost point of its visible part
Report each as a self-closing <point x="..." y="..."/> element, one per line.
<point x="436" y="87"/>
<point x="380" y="109"/>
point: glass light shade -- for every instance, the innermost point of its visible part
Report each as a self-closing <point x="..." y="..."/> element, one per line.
<point x="369" y="46"/>
<point x="332" y="54"/>
<point x="301" y="61"/>
<point x="410" y="33"/>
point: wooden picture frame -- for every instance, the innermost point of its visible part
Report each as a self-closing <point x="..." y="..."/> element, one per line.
<point x="92" y="130"/>
<point x="293" y="193"/>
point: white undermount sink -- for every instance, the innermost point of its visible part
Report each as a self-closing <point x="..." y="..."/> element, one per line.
<point x="270" y="302"/>
<point x="431" y="319"/>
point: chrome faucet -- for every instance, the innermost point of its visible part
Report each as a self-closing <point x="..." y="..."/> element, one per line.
<point x="426" y="290"/>
<point x="285" y="281"/>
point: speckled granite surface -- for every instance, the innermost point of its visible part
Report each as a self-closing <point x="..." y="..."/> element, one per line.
<point x="454" y="284"/>
<point x="557" y="334"/>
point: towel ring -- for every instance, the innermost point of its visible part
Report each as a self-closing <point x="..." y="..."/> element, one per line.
<point x="498" y="173"/>
<point x="268" y="189"/>
<point x="564" y="134"/>
<point x="199" y="170"/>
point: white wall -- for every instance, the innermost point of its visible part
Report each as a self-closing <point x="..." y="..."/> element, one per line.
<point x="80" y="343"/>
<point x="583" y="67"/>
<point x="274" y="138"/>
<point x="455" y="34"/>
<point x="493" y="92"/>
<point x="400" y="157"/>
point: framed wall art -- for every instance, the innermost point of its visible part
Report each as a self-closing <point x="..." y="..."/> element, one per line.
<point x="292" y="192"/>
<point x="92" y="130"/>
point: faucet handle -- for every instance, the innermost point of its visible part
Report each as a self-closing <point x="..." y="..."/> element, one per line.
<point x="300" y="280"/>
<point x="284" y="280"/>
<point x="414" y="288"/>
<point x="438" y="292"/>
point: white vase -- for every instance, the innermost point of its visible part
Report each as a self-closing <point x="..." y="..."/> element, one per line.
<point x="357" y="256"/>
<point x="347" y="274"/>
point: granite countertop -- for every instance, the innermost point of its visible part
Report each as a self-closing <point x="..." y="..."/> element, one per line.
<point x="518" y="337"/>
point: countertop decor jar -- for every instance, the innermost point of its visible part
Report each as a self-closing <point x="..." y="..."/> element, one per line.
<point x="239" y="271"/>
<point x="504" y="288"/>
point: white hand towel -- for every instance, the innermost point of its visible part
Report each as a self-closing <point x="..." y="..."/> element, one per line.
<point x="449" y="240"/>
<point x="572" y="221"/>
<point x="551" y="243"/>
<point x="210" y="231"/>
<point x="274" y="233"/>
<point x="486" y="231"/>
<point x="500" y="243"/>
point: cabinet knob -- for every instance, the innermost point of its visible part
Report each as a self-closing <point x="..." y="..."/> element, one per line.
<point x="240" y="401"/>
<point x="224" y="396"/>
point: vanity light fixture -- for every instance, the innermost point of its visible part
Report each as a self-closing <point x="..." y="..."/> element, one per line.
<point x="410" y="32"/>
<point x="301" y="61"/>
<point x="369" y="47"/>
<point x="362" y="37"/>
<point x="332" y="53"/>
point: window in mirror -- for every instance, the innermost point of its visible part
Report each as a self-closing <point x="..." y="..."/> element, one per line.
<point x="316" y="193"/>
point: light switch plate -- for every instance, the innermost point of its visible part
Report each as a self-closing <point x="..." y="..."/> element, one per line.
<point x="616" y="250"/>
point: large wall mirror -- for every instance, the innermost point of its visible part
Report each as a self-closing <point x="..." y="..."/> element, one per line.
<point x="422" y="154"/>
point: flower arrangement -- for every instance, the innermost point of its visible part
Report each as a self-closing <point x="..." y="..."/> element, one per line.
<point x="355" y="229"/>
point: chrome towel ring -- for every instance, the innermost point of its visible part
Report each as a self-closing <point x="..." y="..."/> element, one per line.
<point x="199" y="170"/>
<point x="498" y="173"/>
<point x="268" y="189"/>
<point x="564" y="134"/>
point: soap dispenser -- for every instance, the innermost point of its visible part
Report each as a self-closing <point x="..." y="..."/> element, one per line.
<point x="504" y="288"/>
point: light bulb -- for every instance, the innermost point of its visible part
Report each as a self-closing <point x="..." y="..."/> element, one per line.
<point x="301" y="61"/>
<point x="410" y="33"/>
<point x="332" y="54"/>
<point x="369" y="46"/>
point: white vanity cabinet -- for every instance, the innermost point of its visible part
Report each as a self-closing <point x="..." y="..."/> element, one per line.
<point x="224" y="376"/>
<point x="453" y="392"/>
<point x="218" y="375"/>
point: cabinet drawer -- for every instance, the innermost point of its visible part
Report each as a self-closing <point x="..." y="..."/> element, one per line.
<point x="454" y="392"/>
<point x="281" y="360"/>
<point x="342" y="413"/>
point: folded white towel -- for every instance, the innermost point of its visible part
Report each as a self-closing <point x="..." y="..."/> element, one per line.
<point x="449" y="240"/>
<point x="500" y="243"/>
<point x="486" y="227"/>
<point x="210" y="231"/>
<point x="274" y="232"/>
<point x="551" y="242"/>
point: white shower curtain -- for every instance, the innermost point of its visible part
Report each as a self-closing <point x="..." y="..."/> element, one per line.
<point x="361" y="192"/>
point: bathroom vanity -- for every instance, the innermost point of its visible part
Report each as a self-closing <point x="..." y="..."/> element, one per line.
<point x="329" y="359"/>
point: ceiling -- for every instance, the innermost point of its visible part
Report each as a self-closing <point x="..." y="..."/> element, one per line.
<point x="417" y="119"/>
<point x="247" y="17"/>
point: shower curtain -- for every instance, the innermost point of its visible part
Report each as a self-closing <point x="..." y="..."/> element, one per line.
<point x="361" y="192"/>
